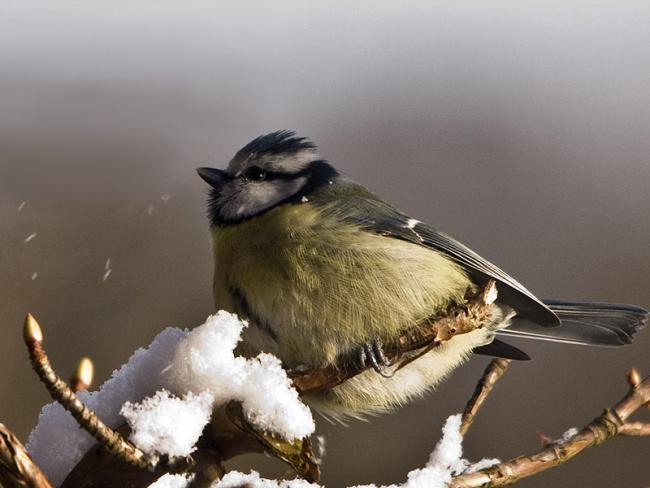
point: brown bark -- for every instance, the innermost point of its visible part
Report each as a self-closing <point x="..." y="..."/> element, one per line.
<point x="16" y="466"/>
<point x="611" y="423"/>
<point x="62" y="393"/>
<point x="495" y="370"/>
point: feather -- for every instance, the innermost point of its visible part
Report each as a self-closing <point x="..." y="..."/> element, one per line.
<point x="354" y="203"/>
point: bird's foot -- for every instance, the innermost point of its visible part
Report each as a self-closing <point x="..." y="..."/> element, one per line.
<point x="372" y="353"/>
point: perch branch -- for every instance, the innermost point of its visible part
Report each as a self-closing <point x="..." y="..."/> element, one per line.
<point x="612" y="422"/>
<point x="62" y="393"/>
<point x="493" y="373"/>
<point x="429" y="334"/>
<point x="231" y="435"/>
<point x="16" y="466"/>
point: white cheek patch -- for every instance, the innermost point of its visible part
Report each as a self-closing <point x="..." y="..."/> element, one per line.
<point x="254" y="198"/>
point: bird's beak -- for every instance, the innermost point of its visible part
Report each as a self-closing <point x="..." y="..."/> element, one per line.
<point x="214" y="177"/>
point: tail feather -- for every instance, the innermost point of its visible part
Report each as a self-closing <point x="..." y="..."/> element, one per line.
<point x="500" y="349"/>
<point x="595" y="324"/>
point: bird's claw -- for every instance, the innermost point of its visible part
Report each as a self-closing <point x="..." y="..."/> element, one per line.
<point x="372" y="352"/>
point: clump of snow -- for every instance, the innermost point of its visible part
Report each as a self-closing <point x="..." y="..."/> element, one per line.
<point x="201" y="370"/>
<point x="448" y="453"/>
<point x="482" y="464"/>
<point x="205" y="362"/>
<point x="164" y="424"/>
<point x="445" y="461"/>
<point x="235" y="479"/>
<point x="172" y="481"/>
<point x="281" y="411"/>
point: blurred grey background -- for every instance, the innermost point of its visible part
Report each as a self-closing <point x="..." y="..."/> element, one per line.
<point x="521" y="128"/>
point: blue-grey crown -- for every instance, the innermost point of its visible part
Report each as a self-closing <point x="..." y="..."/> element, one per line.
<point x="281" y="141"/>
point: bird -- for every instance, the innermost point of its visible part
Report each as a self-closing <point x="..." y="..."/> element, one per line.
<point x="324" y="270"/>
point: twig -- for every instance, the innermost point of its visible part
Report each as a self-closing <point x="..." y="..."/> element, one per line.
<point x="61" y="392"/>
<point x="494" y="371"/>
<point x="635" y="429"/>
<point x="221" y="440"/>
<point x="611" y="423"/>
<point x="16" y="466"/>
<point x="297" y="453"/>
<point x="429" y="334"/>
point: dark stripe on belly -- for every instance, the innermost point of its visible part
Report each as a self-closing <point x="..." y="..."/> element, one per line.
<point x="244" y="308"/>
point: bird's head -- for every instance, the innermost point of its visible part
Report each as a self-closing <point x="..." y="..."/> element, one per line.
<point x="271" y="170"/>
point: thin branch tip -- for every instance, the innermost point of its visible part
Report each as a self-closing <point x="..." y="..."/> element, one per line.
<point x="87" y="419"/>
<point x="612" y="422"/>
<point x="32" y="332"/>
<point x="633" y="377"/>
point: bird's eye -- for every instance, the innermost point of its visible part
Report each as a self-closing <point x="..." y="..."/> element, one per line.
<point x="254" y="173"/>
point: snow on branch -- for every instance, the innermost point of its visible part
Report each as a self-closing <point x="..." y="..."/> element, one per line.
<point x="177" y="410"/>
<point x="166" y="393"/>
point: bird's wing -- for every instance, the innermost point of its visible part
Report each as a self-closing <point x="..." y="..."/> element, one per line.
<point x="354" y="203"/>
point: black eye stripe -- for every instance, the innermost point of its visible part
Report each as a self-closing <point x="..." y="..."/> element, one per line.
<point x="276" y="175"/>
<point x="253" y="173"/>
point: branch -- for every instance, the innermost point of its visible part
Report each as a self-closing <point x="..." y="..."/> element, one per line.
<point x="116" y="461"/>
<point x="230" y="435"/>
<point x="16" y="466"/>
<point x="298" y="453"/>
<point x="612" y="422"/>
<point x="429" y="334"/>
<point x="493" y="373"/>
<point x="62" y="393"/>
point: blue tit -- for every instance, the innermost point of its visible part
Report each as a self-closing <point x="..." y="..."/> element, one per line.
<point x="322" y="268"/>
